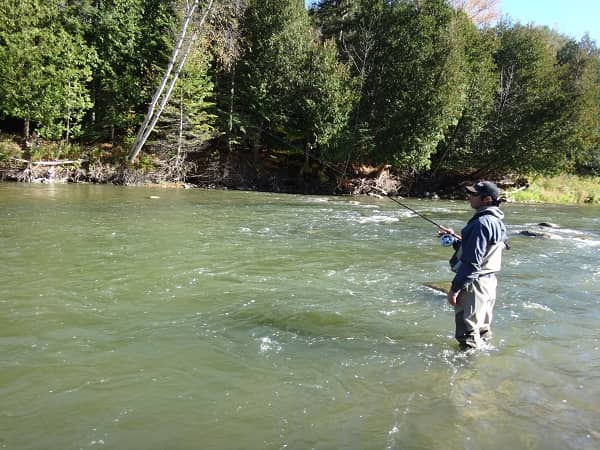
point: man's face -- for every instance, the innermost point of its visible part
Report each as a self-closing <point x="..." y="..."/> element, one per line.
<point x="477" y="202"/>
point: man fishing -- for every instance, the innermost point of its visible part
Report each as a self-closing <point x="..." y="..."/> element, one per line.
<point x="475" y="263"/>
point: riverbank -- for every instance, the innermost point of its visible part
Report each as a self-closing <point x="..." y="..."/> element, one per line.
<point x="269" y="171"/>
<point x="561" y="189"/>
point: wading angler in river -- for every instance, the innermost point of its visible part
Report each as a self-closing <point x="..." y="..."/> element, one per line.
<point x="477" y="259"/>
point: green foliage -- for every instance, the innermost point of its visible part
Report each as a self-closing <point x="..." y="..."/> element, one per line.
<point x="409" y="83"/>
<point x="566" y="189"/>
<point x="474" y="52"/>
<point x="44" y="70"/>
<point x="291" y="86"/>
<point x="412" y="90"/>
<point x="330" y="98"/>
<point x="579" y="72"/>
<point x="528" y="129"/>
<point x="9" y="150"/>
<point x="189" y="120"/>
<point x="50" y="151"/>
<point x="133" y="39"/>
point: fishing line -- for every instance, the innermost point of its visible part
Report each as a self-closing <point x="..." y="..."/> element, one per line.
<point x="415" y="212"/>
<point x="411" y="210"/>
<point x="446" y="239"/>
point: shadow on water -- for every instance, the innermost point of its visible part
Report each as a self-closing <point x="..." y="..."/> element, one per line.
<point x="311" y="324"/>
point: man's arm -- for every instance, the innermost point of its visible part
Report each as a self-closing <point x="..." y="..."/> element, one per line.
<point x="474" y="248"/>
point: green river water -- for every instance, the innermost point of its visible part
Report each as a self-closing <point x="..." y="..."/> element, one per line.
<point x="236" y="320"/>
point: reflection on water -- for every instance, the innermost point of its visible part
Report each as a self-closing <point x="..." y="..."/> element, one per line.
<point x="245" y="320"/>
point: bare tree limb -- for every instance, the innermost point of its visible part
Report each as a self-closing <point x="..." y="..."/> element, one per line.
<point x="481" y="12"/>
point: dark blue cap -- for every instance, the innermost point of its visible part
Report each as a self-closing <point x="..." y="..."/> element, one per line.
<point x="485" y="188"/>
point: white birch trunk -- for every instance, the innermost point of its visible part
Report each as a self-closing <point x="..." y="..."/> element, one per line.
<point x="231" y="100"/>
<point x="139" y="141"/>
<point x="154" y="113"/>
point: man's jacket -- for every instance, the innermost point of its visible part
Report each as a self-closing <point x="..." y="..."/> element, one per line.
<point x="480" y="252"/>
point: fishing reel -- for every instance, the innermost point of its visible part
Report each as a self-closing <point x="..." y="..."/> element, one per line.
<point x="447" y="240"/>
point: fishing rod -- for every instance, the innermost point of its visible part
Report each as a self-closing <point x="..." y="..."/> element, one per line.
<point x="446" y="239"/>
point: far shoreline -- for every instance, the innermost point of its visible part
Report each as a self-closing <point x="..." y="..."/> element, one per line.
<point x="559" y="190"/>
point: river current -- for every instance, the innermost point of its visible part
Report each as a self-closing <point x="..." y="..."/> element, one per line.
<point x="145" y="318"/>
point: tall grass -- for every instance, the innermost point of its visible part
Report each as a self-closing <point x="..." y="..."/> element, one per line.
<point x="563" y="189"/>
<point x="9" y="149"/>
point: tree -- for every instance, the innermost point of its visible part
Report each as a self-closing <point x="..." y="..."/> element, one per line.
<point x="225" y="31"/>
<point x="68" y="71"/>
<point x="354" y="27"/>
<point x="188" y="119"/>
<point x="329" y="100"/>
<point x="481" y="12"/>
<point x="291" y="86"/>
<point x="528" y="128"/>
<point x="458" y="150"/>
<point x="416" y="73"/>
<point x="410" y="98"/>
<point x="44" y="70"/>
<point x="132" y="39"/>
<point x="181" y="50"/>
<point x="579" y="73"/>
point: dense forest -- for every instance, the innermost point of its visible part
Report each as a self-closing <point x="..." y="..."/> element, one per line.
<point x="269" y="87"/>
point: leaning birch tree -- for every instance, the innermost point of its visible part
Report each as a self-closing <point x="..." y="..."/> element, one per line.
<point x="181" y="50"/>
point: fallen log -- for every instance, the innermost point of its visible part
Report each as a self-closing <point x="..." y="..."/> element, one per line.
<point x="51" y="163"/>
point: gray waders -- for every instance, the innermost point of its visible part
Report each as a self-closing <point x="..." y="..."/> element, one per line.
<point x="473" y="313"/>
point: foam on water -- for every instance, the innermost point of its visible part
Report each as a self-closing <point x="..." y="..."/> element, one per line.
<point x="533" y="305"/>
<point x="378" y="219"/>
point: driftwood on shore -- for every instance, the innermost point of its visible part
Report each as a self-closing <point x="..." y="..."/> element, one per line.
<point x="51" y="163"/>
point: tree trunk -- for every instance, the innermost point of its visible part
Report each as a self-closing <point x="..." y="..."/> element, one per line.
<point x="154" y="112"/>
<point x="179" y="159"/>
<point x="231" y="99"/>
<point x="139" y="139"/>
<point x="68" y="130"/>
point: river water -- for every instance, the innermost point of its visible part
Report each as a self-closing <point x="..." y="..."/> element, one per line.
<point x="236" y="320"/>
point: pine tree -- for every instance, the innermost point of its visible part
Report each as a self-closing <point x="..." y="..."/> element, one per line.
<point x="44" y="69"/>
<point x="291" y="86"/>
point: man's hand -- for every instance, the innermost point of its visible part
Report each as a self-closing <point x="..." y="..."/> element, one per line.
<point x="445" y="230"/>
<point x="453" y="297"/>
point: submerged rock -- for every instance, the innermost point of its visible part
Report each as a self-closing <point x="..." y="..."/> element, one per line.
<point x="534" y="233"/>
<point x="548" y="225"/>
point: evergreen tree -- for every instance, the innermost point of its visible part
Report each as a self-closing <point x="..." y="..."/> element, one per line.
<point x="354" y="25"/>
<point x="44" y="70"/>
<point x="579" y="73"/>
<point x="133" y="39"/>
<point x="458" y="150"/>
<point x="529" y="129"/>
<point x="411" y="97"/>
<point x="291" y="87"/>
<point x="330" y="98"/>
